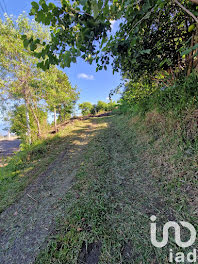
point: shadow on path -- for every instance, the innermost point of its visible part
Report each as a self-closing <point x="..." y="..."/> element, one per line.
<point x="25" y="225"/>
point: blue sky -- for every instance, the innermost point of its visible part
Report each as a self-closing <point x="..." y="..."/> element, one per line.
<point x="93" y="86"/>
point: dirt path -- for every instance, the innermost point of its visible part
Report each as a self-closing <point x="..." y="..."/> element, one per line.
<point x="8" y="147"/>
<point x="117" y="196"/>
<point x="25" y="225"/>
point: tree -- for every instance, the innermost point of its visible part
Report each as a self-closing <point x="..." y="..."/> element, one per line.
<point x="151" y="37"/>
<point x="86" y="108"/>
<point x="18" y="65"/>
<point x="94" y="109"/>
<point x="18" y="122"/>
<point x="111" y="105"/>
<point x="101" y="106"/>
<point x="156" y="41"/>
<point x="57" y="92"/>
<point x="65" y="111"/>
<point x="21" y="80"/>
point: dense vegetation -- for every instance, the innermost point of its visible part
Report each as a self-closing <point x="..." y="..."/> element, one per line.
<point x="26" y="91"/>
<point x="87" y="108"/>
<point x="154" y="47"/>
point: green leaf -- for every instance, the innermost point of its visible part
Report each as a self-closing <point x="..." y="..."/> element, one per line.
<point x="78" y="53"/>
<point x="162" y="63"/>
<point x="23" y="37"/>
<point x="147" y="51"/>
<point x="83" y="56"/>
<point x="187" y="51"/>
<point x="106" y="9"/>
<point x="104" y="40"/>
<point x="100" y="4"/>
<point x="45" y="7"/>
<point x="40" y="65"/>
<point x="82" y="48"/>
<point x="51" y="6"/>
<point x="95" y="8"/>
<point x="33" y="46"/>
<point x="191" y="27"/>
<point x="83" y="2"/>
<point x="67" y="59"/>
<point x="74" y="59"/>
<point x="26" y="43"/>
<point x="35" y="5"/>
<point x="40" y="17"/>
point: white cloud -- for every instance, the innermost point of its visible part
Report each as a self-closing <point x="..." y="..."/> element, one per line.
<point x="85" y="76"/>
<point x="112" y="23"/>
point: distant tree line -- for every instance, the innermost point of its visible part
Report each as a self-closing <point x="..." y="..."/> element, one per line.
<point x="88" y="108"/>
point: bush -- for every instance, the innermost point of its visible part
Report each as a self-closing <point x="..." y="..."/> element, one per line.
<point x="86" y="108"/>
<point x="175" y="99"/>
<point x="101" y="106"/>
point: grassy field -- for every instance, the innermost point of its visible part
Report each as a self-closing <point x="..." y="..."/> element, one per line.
<point x="128" y="173"/>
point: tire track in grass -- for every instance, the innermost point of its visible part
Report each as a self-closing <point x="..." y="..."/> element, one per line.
<point x="25" y="225"/>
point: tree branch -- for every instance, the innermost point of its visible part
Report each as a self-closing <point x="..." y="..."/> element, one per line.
<point x="194" y="1"/>
<point x="144" y="17"/>
<point x="187" y="11"/>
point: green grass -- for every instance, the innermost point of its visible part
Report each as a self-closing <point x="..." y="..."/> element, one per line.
<point x="114" y="195"/>
<point x="128" y="172"/>
<point x="27" y="164"/>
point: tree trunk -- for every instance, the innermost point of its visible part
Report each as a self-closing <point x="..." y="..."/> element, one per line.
<point x="27" y="120"/>
<point x="194" y="1"/>
<point x="37" y="122"/>
<point x="55" y="124"/>
<point x="196" y="51"/>
<point x="60" y="114"/>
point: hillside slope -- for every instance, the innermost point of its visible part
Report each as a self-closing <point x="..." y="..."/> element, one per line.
<point x="102" y="189"/>
<point x="120" y="185"/>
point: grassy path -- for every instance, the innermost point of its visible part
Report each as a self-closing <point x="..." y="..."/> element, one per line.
<point x="108" y="218"/>
<point x="25" y="225"/>
<point x="102" y="191"/>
